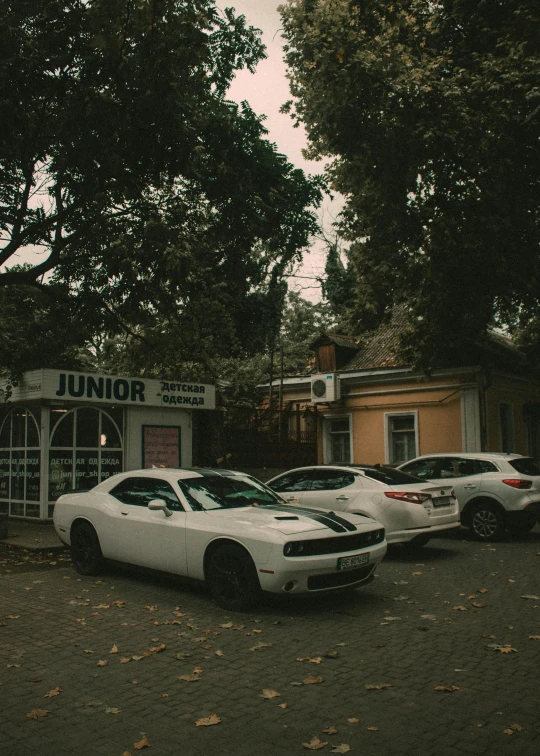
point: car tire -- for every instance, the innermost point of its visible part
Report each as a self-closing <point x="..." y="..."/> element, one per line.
<point x="232" y="578"/>
<point x="486" y="521"/>
<point x="85" y="549"/>
<point x="521" y="527"/>
<point x="417" y="542"/>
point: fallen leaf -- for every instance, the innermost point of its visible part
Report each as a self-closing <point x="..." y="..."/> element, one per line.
<point x="227" y="624"/>
<point x="143" y="743"/>
<point x="112" y="710"/>
<point x="114" y="649"/>
<point x="52" y="693"/>
<point x="343" y="748"/>
<point x="373" y="729"/>
<point x="478" y="605"/>
<point x="505" y="649"/>
<point x="189" y="678"/>
<point x="282" y="706"/>
<point x="447" y="688"/>
<point x="260" y="646"/>
<point x="512" y="729"/>
<point x="379" y="687"/>
<point x="353" y="720"/>
<point x="330" y="731"/>
<point x="416" y="573"/>
<point x="37" y="713"/>
<point x="310" y="680"/>
<point x="483" y="590"/>
<point x="102" y="663"/>
<point x="213" y="719"/>
<point x="125" y="660"/>
<point x="268" y="693"/>
<point x="13" y="665"/>
<point x="219" y="653"/>
<point x="459" y="608"/>
<point x="534" y="637"/>
<point x="88" y="651"/>
<point x="315" y="744"/>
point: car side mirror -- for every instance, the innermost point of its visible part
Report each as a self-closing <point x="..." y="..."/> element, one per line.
<point x="157" y="504"/>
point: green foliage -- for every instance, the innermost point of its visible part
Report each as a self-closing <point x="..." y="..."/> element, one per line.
<point x="152" y="200"/>
<point x="339" y="284"/>
<point x="430" y="114"/>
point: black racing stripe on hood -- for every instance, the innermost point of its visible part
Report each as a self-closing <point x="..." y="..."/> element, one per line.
<point x="330" y="519"/>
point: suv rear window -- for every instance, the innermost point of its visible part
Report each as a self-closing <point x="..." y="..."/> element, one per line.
<point x="525" y="465"/>
<point x="390" y="475"/>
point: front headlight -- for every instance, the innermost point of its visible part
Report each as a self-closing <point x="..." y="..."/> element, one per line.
<point x="293" y="548"/>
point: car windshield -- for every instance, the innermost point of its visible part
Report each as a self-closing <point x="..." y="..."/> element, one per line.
<point x="217" y="492"/>
<point x="525" y="465"/>
<point x="390" y="475"/>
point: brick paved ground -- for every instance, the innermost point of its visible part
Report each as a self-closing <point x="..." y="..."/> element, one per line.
<point x="428" y="620"/>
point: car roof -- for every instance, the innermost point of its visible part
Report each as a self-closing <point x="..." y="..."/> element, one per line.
<point x="178" y="472"/>
<point x="471" y="455"/>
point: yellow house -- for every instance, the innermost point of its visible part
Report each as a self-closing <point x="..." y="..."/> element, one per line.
<point x="368" y="407"/>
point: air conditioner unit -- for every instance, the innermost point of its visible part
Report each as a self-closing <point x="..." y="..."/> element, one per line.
<point x="325" y="387"/>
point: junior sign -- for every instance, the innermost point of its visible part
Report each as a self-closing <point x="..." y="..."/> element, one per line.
<point x="91" y="387"/>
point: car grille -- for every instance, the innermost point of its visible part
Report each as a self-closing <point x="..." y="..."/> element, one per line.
<point x="337" y="579"/>
<point x="340" y="544"/>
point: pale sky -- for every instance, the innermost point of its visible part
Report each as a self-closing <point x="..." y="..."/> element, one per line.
<point x="266" y="91"/>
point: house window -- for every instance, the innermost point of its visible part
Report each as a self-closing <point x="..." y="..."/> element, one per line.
<point x="401" y="437"/>
<point x="339" y="440"/>
<point x="506" y="425"/>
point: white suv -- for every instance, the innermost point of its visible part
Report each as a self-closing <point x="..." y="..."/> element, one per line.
<point x="494" y="491"/>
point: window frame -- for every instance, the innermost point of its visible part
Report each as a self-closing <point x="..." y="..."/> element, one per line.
<point x="388" y="416"/>
<point x="327" y="439"/>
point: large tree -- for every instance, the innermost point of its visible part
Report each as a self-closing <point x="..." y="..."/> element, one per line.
<point x="430" y="112"/>
<point x="126" y="172"/>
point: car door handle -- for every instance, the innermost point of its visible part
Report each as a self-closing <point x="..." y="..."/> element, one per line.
<point x="124" y="513"/>
<point x="342" y="498"/>
<point x="469" y="486"/>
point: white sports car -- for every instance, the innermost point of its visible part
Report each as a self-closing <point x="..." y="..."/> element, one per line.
<point x="220" y="526"/>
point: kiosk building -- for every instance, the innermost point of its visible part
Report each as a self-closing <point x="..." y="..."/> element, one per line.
<point x="62" y="430"/>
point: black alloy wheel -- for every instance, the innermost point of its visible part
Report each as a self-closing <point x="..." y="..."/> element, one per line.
<point x="85" y="549"/>
<point x="232" y="578"/>
<point x="487" y="522"/>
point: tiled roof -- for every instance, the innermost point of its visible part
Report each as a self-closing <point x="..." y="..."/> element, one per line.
<point x="381" y="349"/>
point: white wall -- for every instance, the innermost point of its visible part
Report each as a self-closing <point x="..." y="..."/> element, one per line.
<point x="139" y="416"/>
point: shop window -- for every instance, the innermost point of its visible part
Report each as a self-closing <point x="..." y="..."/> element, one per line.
<point x="401" y="437"/>
<point x="86" y="448"/>
<point x="20" y="462"/>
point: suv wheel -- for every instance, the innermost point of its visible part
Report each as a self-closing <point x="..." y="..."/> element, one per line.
<point x="486" y="521"/>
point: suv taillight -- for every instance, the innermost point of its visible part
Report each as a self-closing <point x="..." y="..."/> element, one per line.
<point x="518" y="482"/>
<point x="412" y="498"/>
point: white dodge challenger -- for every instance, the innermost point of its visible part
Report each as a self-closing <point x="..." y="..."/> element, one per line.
<point x="219" y="526"/>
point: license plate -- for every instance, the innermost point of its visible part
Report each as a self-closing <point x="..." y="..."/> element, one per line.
<point x="343" y="563"/>
<point x="441" y="501"/>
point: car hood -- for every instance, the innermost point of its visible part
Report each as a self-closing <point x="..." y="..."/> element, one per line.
<point x="290" y="520"/>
